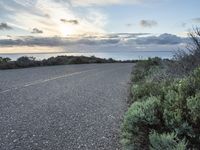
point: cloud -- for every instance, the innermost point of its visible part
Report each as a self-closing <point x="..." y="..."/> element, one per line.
<point x="104" y="2"/>
<point x="122" y="42"/>
<point x="91" y="40"/>
<point x="88" y="3"/>
<point x="5" y="26"/>
<point x="31" y="41"/>
<point x="56" y="41"/>
<point x="163" y="39"/>
<point x="37" y="31"/>
<point x="75" y="22"/>
<point x="148" y="23"/>
<point x="47" y="15"/>
<point x="196" y="20"/>
<point x="125" y="39"/>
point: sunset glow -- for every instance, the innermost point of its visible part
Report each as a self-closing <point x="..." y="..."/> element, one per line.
<point x="91" y="25"/>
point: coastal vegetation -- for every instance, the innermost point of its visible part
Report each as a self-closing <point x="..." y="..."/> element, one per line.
<point x="25" y="62"/>
<point x="164" y="110"/>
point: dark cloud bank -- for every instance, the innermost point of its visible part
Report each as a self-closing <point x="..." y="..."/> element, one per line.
<point x="112" y="39"/>
<point x="163" y="39"/>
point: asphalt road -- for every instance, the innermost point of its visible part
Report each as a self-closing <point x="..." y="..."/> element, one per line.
<point x="63" y="107"/>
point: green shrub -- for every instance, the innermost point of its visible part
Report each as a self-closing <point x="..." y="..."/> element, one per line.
<point x="159" y="74"/>
<point x="142" y="68"/>
<point x="169" y="106"/>
<point x="187" y="87"/>
<point x="193" y="104"/>
<point x="142" y="91"/>
<point x="4" y="60"/>
<point x="172" y="112"/>
<point x="143" y="112"/>
<point x="147" y="64"/>
<point x="23" y="62"/>
<point x="138" y="76"/>
<point x="182" y="108"/>
<point x="166" y="141"/>
<point x="184" y="130"/>
<point x="175" y="112"/>
<point x="138" y="119"/>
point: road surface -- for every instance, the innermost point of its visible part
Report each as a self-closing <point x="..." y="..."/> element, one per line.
<point x="63" y="107"/>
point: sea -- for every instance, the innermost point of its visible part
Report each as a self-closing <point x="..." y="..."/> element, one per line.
<point x="136" y="55"/>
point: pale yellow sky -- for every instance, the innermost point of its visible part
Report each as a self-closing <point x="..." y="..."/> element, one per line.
<point x="28" y="49"/>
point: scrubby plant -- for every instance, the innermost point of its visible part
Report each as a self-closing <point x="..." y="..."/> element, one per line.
<point x="142" y="91"/>
<point x="182" y="108"/>
<point x="4" y="60"/>
<point x="147" y="64"/>
<point x="174" y="109"/>
<point x="190" y="85"/>
<point x="139" y="75"/>
<point x="166" y="141"/>
<point x="138" y="121"/>
<point x="142" y="68"/>
<point x="193" y="104"/>
<point x="23" y="62"/>
<point x="155" y="74"/>
<point x="143" y="112"/>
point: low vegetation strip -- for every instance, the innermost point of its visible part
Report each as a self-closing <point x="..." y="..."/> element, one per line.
<point x="25" y="62"/>
<point x="165" y="105"/>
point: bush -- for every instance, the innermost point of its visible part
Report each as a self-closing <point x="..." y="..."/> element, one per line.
<point x="147" y="89"/>
<point x="158" y="74"/>
<point x="24" y="62"/>
<point x="175" y="115"/>
<point x="172" y="112"/>
<point x="166" y="141"/>
<point x="147" y="64"/>
<point x="142" y="68"/>
<point x="193" y="104"/>
<point x="4" y="60"/>
<point x="190" y="85"/>
<point x="137" y="122"/>
<point x="171" y="106"/>
<point x="143" y="112"/>
<point x="138" y="76"/>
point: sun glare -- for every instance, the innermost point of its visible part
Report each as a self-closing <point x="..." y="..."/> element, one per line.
<point x="67" y="30"/>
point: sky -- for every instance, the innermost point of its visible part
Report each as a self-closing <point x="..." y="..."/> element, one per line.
<point x="34" y="26"/>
